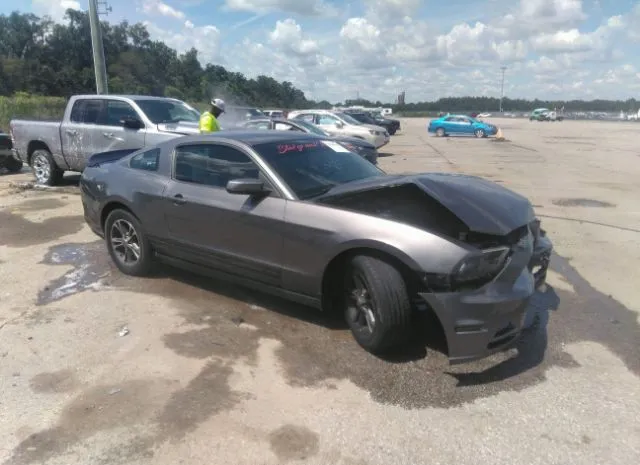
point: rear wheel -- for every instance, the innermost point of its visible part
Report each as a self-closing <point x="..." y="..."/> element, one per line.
<point x="440" y="132"/>
<point x="127" y="243"/>
<point x="377" y="304"/>
<point x="44" y="168"/>
<point x="480" y="133"/>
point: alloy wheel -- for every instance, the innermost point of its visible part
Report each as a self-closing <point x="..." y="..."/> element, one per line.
<point x="41" y="168"/>
<point x="125" y="242"/>
<point x="359" y="304"/>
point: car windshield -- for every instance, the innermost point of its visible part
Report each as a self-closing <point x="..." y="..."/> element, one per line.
<point x="255" y="112"/>
<point x="312" y="167"/>
<point x="167" y="111"/>
<point x="361" y="117"/>
<point x="312" y="128"/>
<point x="349" y="119"/>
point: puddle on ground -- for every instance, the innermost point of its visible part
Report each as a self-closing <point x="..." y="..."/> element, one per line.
<point x="87" y="274"/>
<point x="17" y="231"/>
<point x="46" y="203"/>
<point x="582" y="203"/>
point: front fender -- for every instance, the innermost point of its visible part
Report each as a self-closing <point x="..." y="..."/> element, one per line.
<point x="374" y="245"/>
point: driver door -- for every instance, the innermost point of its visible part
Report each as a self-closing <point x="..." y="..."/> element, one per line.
<point x="237" y="234"/>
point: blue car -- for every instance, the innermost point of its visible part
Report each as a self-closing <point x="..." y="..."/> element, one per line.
<point x="459" y="125"/>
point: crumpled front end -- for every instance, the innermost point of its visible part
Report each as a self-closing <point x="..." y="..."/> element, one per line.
<point x="487" y="315"/>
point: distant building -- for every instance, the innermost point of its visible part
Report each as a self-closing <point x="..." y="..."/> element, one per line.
<point x="401" y="98"/>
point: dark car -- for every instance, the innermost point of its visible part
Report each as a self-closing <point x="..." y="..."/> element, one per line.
<point x="300" y="216"/>
<point x="392" y="123"/>
<point x="366" y="118"/>
<point x="356" y="145"/>
<point x="8" y="160"/>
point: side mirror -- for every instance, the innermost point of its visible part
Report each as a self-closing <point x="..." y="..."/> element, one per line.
<point x="339" y="124"/>
<point x="131" y="123"/>
<point x="247" y="186"/>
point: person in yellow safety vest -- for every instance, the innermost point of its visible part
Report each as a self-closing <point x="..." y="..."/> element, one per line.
<point x="209" y="119"/>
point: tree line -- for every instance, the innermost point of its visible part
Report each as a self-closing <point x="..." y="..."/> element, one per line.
<point x="41" y="57"/>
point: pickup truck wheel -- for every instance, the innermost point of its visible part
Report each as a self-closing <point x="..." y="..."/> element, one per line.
<point x="44" y="168"/>
<point x="377" y="304"/>
<point x="440" y="132"/>
<point x="128" y="247"/>
<point x="12" y="165"/>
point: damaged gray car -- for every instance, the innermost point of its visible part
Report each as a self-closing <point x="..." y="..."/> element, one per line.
<point x="299" y="216"/>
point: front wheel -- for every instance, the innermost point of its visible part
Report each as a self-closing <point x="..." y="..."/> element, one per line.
<point x="480" y="133"/>
<point x="127" y="244"/>
<point x="440" y="132"/>
<point x="377" y="304"/>
<point x="44" y="168"/>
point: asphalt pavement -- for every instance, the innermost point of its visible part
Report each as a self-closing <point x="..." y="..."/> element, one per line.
<point x="100" y="368"/>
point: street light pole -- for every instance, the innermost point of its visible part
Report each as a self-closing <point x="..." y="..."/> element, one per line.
<point x="99" y="65"/>
<point x="503" y="69"/>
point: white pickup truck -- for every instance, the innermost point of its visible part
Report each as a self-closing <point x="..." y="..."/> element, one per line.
<point x="98" y="123"/>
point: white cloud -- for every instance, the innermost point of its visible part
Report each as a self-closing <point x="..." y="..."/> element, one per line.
<point x="390" y="47"/>
<point x="206" y="39"/>
<point x="54" y="8"/>
<point x="300" y="7"/>
<point x="288" y="36"/>
<point x="156" y="7"/>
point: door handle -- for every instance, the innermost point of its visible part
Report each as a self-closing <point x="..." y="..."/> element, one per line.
<point x="178" y="199"/>
<point x="71" y="132"/>
<point x="108" y="135"/>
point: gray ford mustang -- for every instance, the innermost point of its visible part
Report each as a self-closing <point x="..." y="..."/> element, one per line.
<point x="300" y="216"/>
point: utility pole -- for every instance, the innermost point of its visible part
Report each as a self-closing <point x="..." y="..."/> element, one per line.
<point x="96" y="43"/>
<point x="503" y="69"/>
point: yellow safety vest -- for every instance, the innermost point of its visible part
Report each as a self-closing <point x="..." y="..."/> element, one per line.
<point x="208" y="123"/>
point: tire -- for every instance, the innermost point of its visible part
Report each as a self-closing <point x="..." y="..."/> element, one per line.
<point x="385" y="298"/>
<point x="121" y="227"/>
<point x="12" y="164"/>
<point x="44" y="168"/>
<point x="480" y="133"/>
<point x="440" y="132"/>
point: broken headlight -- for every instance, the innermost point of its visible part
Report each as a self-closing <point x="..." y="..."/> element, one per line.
<point x="482" y="266"/>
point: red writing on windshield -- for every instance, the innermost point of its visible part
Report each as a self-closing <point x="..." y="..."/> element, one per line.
<point x="286" y="148"/>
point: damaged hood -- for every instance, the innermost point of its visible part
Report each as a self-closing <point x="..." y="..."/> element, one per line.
<point x="183" y="127"/>
<point x="484" y="206"/>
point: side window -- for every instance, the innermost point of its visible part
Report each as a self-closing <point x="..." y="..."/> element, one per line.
<point x="306" y="117"/>
<point x="147" y="161"/>
<point x="286" y="127"/>
<point x="86" y="111"/>
<point x="212" y="165"/>
<point x="327" y="120"/>
<point x="261" y="125"/>
<point x="116" y="110"/>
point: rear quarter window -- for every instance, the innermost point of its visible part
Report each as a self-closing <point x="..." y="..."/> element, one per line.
<point x="146" y="161"/>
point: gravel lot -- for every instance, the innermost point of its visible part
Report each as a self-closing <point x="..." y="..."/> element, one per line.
<point x="99" y="368"/>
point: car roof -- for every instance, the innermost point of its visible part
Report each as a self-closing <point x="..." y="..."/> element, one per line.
<point x="127" y="96"/>
<point x="249" y="137"/>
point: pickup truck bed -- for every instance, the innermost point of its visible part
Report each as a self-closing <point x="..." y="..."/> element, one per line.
<point x="98" y="123"/>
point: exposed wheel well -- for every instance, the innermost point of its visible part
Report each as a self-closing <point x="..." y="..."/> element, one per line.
<point x="33" y="146"/>
<point x="334" y="272"/>
<point x="108" y="208"/>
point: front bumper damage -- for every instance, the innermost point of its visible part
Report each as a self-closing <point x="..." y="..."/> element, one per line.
<point x="480" y="322"/>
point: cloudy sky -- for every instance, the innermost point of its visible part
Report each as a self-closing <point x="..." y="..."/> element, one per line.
<point x="337" y="49"/>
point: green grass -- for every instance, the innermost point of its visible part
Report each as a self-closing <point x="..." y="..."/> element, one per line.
<point x="30" y="106"/>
